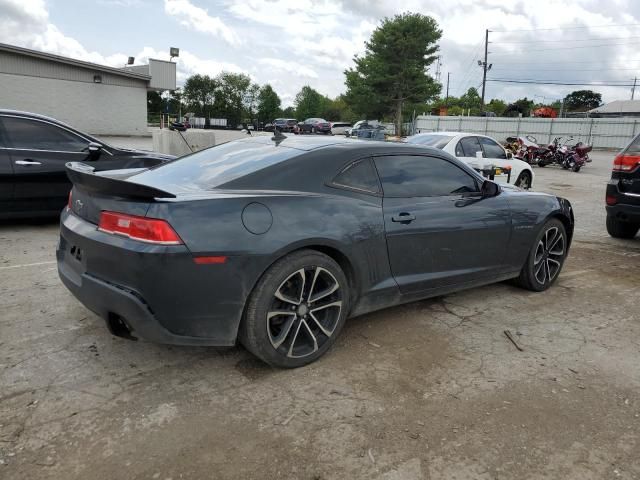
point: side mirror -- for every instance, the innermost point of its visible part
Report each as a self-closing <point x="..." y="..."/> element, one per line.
<point x="509" y="155"/>
<point x="490" y="189"/>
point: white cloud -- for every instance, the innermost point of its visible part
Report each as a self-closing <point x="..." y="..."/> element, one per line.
<point x="199" y="19"/>
<point x="291" y="44"/>
<point x="289" y="67"/>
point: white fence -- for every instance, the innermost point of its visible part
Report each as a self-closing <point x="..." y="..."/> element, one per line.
<point x="599" y="132"/>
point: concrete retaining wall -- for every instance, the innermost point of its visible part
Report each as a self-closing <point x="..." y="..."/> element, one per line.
<point x="173" y="143"/>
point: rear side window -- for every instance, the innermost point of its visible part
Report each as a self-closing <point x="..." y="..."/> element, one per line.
<point x="634" y="147"/>
<point x="422" y="176"/>
<point x="492" y="149"/>
<point x="359" y="176"/>
<point x="30" y="134"/>
<point x="437" y="141"/>
<point x="469" y="146"/>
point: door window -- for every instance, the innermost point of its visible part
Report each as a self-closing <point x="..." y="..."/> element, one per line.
<point x="492" y="149"/>
<point x="30" y="134"/>
<point x="422" y="176"/>
<point x="469" y="147"/>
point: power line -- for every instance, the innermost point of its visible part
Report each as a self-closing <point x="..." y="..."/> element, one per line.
<point x="569" y="48"/>
<point x="593" y="39"/>
<point x="567" y="28"/>
<point x="544" y="82"/>
<point x="535" y="69"/>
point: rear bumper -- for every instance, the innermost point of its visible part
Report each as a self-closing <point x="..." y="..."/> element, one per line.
<point x="157" y="292"/>
<point x="116" y="304"/>
<point x="624" y="212"/>
<point x="627" y="207"/>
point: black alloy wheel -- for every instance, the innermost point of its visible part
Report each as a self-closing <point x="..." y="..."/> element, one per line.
<point x="297" y="310"/>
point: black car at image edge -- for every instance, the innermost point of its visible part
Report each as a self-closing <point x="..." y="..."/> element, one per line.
<point x="276" y="241"/>
<point x="33" y="152"/>
<point x="623" y="193"/>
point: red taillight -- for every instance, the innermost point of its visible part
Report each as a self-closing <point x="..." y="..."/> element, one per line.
<point x="611" y="200"/>
<point x="150" y="230"/>
<point x="69" y="200"/>
<point x="625" y="163"/>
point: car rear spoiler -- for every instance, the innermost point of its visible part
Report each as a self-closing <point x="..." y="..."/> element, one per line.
<point x="84" y="176"/>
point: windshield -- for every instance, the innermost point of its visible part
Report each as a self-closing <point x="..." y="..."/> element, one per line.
<point x="431" y="140"/>
<point x="214" y="166"/>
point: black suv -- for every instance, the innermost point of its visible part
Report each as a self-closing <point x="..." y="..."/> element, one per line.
<point x="623" y="193"/>
<point x="33" y="152"/>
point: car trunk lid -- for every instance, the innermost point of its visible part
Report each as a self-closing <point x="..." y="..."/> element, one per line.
<point x="94" y="193"/>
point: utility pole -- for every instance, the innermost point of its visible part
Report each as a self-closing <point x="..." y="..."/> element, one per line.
<point x="485" y="66"/>
<point x="446" y="100"/>
<point x="633" y="89"/>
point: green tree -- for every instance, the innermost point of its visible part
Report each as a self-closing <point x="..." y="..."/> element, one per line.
<point x="519" y="107"/>
<point x="309" y="103"/>
<point x="496" y="106"/>
<point x="471" y="101"/>
<point x="582" y="100"/>
<point x="230" y="101"/>
<point x="154" y="101"/>
<point x="289" y="112"/>
<point x="199" y="94"/>
<point x="268" y="104"/>
<point x="392" y="70"/>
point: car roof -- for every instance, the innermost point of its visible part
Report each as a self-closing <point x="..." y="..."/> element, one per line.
<point x="4" y="111"/>
<point x="308" y="143"/>
<point x="37" y="116"/>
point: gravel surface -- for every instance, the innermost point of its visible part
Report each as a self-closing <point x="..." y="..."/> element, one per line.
<point x="431" y="390"/>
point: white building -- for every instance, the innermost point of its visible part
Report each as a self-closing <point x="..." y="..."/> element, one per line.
<point x="94" y="98"/>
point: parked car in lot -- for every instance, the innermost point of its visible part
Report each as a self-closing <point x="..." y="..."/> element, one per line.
<point x="359" y="125"/>
<point x="282" y="124"/>
<point x="315" y="125"/>
<point x="339" y="128"/>
<point x="477" y="150"/>
<point x="33" y="153"/>
<point x="219" y="246"/>
<point x="623" y="193"/>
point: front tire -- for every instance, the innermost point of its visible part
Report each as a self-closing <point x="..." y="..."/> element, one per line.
<point x="524" y="181"/>
<point x="620" y="229"/>
<point x="546" y="258"/>
<point x="297" y="310"/>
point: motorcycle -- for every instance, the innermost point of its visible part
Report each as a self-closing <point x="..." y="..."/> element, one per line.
<point x="577" y="157"/>
<point x="555" y="153"/>
<point x="524" y="148"/>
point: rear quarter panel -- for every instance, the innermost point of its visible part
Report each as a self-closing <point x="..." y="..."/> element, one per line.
<point x="351" y="224"/>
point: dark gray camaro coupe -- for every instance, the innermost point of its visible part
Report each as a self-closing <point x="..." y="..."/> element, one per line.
<point x="276" y="241"/>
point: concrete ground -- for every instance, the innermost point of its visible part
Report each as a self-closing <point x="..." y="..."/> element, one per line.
<point x="429" y="390"/>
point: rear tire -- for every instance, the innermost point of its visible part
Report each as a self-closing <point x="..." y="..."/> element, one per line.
<point x="296" y="311"/>
<point x="546" y="258"/>
<point x="576" y="168"/>
<point x="620" y="229"/>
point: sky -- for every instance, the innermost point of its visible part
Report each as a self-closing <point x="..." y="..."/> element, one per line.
<point x="289" y="44"/>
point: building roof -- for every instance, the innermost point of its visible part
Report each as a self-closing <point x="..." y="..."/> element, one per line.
<point x="71" y="61"/>
<point x="618" y="106"/>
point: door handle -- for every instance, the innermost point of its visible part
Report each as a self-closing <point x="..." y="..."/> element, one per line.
<point x="404" y="218"/>
<point x="27" y="162"/>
